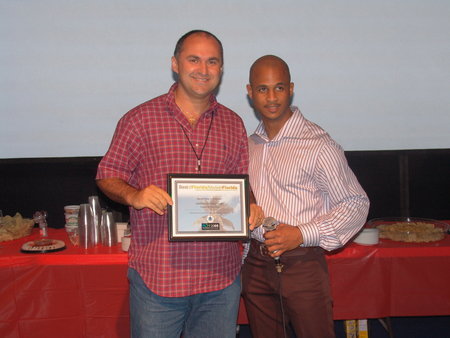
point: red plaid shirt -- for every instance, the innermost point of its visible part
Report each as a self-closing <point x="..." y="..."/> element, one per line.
<point x="147" y="145"/>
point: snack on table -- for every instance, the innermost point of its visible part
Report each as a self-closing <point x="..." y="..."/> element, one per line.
<point x="43" y="242"/>
<point x="43" y="245"/>
<point x="414" y="232"/>
<point x="15" y="227"/>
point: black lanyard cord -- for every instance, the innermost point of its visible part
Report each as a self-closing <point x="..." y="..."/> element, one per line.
<point x="199" y="158"/>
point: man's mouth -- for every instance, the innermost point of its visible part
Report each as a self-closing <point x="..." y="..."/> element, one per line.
<point x="272" y="107"/>
<point x="200" y="78"/>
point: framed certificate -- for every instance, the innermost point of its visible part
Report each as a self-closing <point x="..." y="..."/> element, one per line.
<point x="208" y="207"/>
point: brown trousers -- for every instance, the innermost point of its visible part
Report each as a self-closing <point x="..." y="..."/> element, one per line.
<point x="305" y="293"/>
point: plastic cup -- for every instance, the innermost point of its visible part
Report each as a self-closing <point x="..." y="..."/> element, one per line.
<point x="72" y="209"/>
<point x="108" y="229"/>
<point x="72" y="232"/>
<point x="86" y="227"/>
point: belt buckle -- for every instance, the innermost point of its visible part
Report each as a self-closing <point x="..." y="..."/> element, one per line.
<point x="263" y="250"/>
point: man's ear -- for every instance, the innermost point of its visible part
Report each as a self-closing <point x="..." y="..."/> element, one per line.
<point x="249" y="91"/>
<point x="291" y="89"/>
<point x="174" y="64"/>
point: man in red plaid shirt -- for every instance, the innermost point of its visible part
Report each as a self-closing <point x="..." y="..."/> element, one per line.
<point x="189" y="288"/>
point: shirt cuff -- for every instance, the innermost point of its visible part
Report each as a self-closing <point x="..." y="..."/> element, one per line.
<point x="107" y="173"/>
<point x="310" y="233"/>
<point x="258" y="234"/>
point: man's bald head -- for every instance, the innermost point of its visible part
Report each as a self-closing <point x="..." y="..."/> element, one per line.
<point x="270" y="61"/>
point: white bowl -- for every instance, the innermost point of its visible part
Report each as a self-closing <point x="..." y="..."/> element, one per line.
<point x="367" y="237"/>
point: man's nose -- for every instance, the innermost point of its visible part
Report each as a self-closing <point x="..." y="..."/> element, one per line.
<point x="271" y="95"/>
<point x="203" y="67"/>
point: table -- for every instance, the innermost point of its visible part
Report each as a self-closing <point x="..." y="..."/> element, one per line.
<point x="84" y="293"/>
<point x="391" y="279"/>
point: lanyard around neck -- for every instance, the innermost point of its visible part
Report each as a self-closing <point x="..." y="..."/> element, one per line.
<point x="199" y="157"/>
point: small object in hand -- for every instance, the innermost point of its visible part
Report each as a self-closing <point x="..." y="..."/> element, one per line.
<point x="278" y="266"/>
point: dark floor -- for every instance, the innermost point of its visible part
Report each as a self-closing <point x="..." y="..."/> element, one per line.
<point x="402" y="327"/>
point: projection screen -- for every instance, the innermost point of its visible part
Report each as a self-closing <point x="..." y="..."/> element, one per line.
<point x="374" y="74"/>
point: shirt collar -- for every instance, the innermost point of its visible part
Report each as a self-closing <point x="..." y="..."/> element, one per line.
<point x="291" y="129"/>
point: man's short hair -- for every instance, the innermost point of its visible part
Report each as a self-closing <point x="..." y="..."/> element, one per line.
<point x="180" y="41"/>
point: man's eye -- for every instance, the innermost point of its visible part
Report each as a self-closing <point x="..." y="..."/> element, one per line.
<point x="213" y="62"/>
<point x="280" y="89"/>
<point x="262" y="90"/>
<point x="193" y="60"/>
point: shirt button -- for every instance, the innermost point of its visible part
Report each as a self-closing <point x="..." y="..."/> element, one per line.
<point x="196" y="144"/>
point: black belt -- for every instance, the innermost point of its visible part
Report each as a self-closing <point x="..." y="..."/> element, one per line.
<point x="259" y="249"/>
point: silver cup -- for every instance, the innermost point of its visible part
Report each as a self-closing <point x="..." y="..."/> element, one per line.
<point x="86" y="227"/>
<point x="108" y="229"/>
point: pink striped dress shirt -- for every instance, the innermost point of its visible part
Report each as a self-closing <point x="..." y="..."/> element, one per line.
<point x="301" y="178"/>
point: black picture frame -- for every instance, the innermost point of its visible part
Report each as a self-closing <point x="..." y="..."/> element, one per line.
<point x="208" y="207"/>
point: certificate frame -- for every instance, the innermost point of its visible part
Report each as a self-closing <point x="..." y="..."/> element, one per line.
<point x="208" y="207"/>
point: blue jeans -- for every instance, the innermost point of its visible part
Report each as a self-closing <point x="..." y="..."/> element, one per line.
<point x="211" y="314"/>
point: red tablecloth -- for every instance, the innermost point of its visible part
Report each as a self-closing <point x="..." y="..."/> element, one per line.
<point x="391" y="279"/>
<point x="84" y="293"/>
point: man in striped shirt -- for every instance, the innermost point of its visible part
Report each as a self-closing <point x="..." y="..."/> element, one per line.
<point x="300" y="177"/>
<point x="188" y="288"/>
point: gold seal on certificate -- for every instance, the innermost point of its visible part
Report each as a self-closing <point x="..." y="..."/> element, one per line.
<point x="208" y="207"/>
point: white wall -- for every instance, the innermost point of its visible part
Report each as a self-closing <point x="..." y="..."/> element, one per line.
<point x="375" y="74"/>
